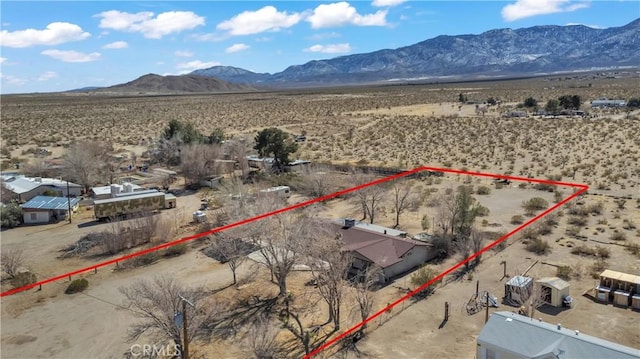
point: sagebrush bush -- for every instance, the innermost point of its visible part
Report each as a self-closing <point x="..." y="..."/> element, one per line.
<point x="535" y="204"/>
<point x="618" y="236"/>
<point x="564" y="272"/>
<point x="517" y="219"/>
<point x="176" y="250"/>
<point x="23" y="278"/>
<point x="538" y="246"/>
<point x="77" y="286"/>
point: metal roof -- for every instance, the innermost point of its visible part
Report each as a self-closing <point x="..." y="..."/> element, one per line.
<point x="629" y="278"/>
<point x="21" y="184"/>
<point x="519" y="281"/>
<point x="126" y="198"/>
<point x="529" y="338"/>
<point x="554" y="282"/>
<point x="49" y="203"/>
<point x="102" y="190"/>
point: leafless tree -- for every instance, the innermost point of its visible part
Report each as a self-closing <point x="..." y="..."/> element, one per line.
<point x="230" y="249"/>
<point x="365" y="297"/>
<point x="6" y="195"/>
<point x="239" y="149"/>
<point x="403" y="198"/>
<point x="83" y="161"/>
<point x="329" y="267"/>
<point x="262" y="339"/>
<point x="166" y="150"/>
<point x="302" y="330"/>
<point x="316" y="182"/>
<point x="157" y="301"/>
<point x="369" y="198"/>
<point x="476" y="240"/>
<point x="111" y="166"/>
<point x="198" y="162"/>
<point x="37" y="167"/>
<point x="12" y="261"/>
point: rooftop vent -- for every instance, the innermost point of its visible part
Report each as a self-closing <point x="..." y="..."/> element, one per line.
<point x="349" y="222"/>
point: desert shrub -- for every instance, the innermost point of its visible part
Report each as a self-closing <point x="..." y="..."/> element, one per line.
<point x="142" y="260"/>
<point x="538" y="246"/>
<point x="535" y="204"/>
<point x="517" y="219"/>
<point x="564" y="272"/>
<point x="77" y="286"/>
<point x="544" y="229"/>
<point x="545" y="187"/>
<point x="176" y="250"/>
<point x="577" y="210"/>
<point x="424" y="223"/>
<point x="482" y="211"/>
<point x="573" y="231"/>
<point x="484" y="190"/>
<point x="529" y="233"/>
<point x="634" y="249"/>
<point x="10" y="215"/>
<point x="602" y="252"/>
<point x="577" y="221"/>
<point x="583" y="250"/>
<point x="422" y="276"/>
<point x="596" y="208"/>
<point x="551" y="219"/>
<point x="598" y="267"/>
<point x="23" y="278"/>
<point x="618" y="236"/>
<point x="628" y="224"/>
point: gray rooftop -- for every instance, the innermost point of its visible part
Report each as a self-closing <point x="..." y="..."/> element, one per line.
<point x="126" y="198"/>
<point x="529" y="338"/>
<point x="49" y="203"/>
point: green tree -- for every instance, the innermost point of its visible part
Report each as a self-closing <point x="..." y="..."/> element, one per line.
<point x="491" y="101"/>
<point x="530" y="102"/>
<point x="216" y="136"/>
<point x="570" y="102"/>
<point x="273" y="142"/>
<point x="186" y="131"/>
<point x="552" y="106"/>
<point x="633" y="102"/>
<point x="462" y="98"/>
<point x="10" y="215"/>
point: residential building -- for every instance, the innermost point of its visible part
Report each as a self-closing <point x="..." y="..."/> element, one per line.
<point x="26" y="188"/>
<point x="43" y="209"/>
<point x="394" y="255"/>
<point x="509" y="335"/>
<point x="104" y="192"/>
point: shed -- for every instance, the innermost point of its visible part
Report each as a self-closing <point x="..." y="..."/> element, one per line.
<point x="43" y="209"/>
<point x="553" y="290"/>
<point x="518" y="289"/>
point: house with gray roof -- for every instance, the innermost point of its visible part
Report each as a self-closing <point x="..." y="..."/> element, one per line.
<point x="43" y="209"/>
<point x="25" y="188"/>
<point x="393" y="254"/>
<point x="513" y="336"/>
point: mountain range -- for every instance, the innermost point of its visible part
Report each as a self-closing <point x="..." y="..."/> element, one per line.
<point x="500" y="52"/>
<point x="156" y="84"/>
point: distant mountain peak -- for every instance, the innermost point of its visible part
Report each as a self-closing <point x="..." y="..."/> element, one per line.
<point x="518" y="52"/>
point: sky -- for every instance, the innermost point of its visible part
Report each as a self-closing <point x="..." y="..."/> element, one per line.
<point x="48" y="46"/>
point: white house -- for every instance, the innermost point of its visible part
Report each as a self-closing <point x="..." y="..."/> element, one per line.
<point x="509" y="335"/>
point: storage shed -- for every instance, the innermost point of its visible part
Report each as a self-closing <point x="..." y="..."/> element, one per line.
<point x="618" y="287"/>
<point x="518" y="289"/>
<point x="553" y="290"/>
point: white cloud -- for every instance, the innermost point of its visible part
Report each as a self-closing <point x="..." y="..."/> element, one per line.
<point x="183" y="53"/>
<point x="47" y="76"/>
<point x="153" y="28"/>
<point x="526" y="8"/>
<point x="186" y="67"/>
<point x="387" y="3"/>
<point x="116" y="45"/>
<point x="254" y="22"/>
<point x="330" y="49"/>
<point x="12" y="80"/>
<point x="2" y="60"/>
<point x="341" y="13"/>
<point x="56" y="33"/>
<point x="210" y="37"/>
<point x="71" y="56"/>
<point x="236" y="48"/>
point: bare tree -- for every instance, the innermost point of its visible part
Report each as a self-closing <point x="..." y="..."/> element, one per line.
<point x="316" y="182"/>
<point x="476" y="239"/>
<point x="230" y="249"/>
<point x="403" y="198"/>
<point x="6" y="195"/>
<point x="156" y="303"/>
<point x="329" y="267"/>
<point x="198" y="162"/>
<point x="364" y="295"/>
<point x="239" y="149"/>
<point x="12" y="260"/>
<point x="84" y="161"/>
<point x="369" y="198"/>
<point x="37" y="167"/>
<point x="262" y="339"/>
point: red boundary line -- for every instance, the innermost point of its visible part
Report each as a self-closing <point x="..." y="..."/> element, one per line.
<point x="582" y="188"/>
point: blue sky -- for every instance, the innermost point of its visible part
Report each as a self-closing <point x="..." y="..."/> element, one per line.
<point x="56" y="46"/>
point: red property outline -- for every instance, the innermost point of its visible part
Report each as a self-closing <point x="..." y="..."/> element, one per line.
<point x="582" y="188"/>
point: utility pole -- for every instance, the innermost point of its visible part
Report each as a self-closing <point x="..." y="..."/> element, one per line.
<point x="69" y="200"/>
<point x="185" y="335"/>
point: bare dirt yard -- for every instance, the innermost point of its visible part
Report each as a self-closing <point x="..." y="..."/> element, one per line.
<point x="395" y="126"/>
